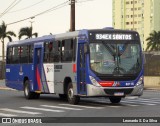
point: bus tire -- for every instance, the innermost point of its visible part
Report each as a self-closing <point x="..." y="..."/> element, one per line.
<point x="72" y="99"/>
<point x="115" y="99"/>
<point x="27" y="93"/>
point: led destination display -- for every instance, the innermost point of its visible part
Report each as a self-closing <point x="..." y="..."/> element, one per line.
<point x="107" y="36"/>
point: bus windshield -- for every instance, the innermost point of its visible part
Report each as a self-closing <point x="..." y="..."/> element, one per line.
<point x="116" y="58"/>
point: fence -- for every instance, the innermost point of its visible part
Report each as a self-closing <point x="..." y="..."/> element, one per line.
<point x="152" y="64"/>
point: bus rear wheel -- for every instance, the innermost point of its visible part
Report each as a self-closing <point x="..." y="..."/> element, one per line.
<point x="27" y="92"/>
<point x="72" y="99"/>
<point x="115" y="99"/>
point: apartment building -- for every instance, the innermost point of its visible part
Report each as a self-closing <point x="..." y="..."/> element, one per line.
<point x="142" y="16"/>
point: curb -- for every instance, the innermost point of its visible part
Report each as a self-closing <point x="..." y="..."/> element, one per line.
<point x="6" y="88"/>
<point x="155" y="89"/>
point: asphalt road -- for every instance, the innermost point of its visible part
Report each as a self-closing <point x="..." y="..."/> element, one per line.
<point x="13" y="104"/>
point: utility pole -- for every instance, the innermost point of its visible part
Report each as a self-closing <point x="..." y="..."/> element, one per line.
<point x="72" y="20"/>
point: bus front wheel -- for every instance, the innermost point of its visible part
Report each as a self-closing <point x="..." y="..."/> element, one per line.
<point x="72" y="99"/>
<point x="115" y="99"/>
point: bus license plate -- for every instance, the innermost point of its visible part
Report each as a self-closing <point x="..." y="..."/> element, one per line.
<point x="118" y="93"/>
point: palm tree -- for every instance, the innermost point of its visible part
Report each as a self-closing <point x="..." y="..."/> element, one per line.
<point x="153" y="41"/>
<point x="27" y="31"/>
<point x="5" y="34"/>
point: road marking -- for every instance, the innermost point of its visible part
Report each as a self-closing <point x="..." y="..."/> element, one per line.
<point x="19" y="111"/>
<point x="132" y="97"/>
<point x="151" y="99"/>
<point x="144" y="101"/>
<point x="136" y="103"/>
<point x="155" y="98"/>
<point x="61" y="107"/>
<point x="6" y="115"/>
<point x="81" y="106"/>
<point x="131" y="105"/>
<point x="112" y="106"/>
<point x="42" y="109"/>
<point x="117" y="106"/>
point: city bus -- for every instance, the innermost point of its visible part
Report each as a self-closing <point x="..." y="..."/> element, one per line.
<point x="82" y="63"/>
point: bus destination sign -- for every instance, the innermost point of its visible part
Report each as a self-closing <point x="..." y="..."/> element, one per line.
<point x="114" y="36"/>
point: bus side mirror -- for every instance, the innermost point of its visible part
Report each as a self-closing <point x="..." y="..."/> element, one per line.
<point x="86" y="48"/>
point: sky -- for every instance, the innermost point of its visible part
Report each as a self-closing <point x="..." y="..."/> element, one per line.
<point x="90" y="14"/>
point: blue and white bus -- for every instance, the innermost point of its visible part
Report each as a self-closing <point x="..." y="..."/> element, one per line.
<point x="84" y="63"/>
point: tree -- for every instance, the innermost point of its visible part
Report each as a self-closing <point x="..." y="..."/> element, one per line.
<point x="5" y="34"/>
<point x="153" y="41"/>
<point x="27" y="31"/>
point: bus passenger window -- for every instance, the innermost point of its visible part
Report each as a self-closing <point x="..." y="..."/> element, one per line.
<point x="24" y="54"/>
<point x="15" y="55"/>
<point x="9" y="55"/>
<point x="56" y="51"/>
<point x="50" y="53"/>
<point x="67" y="50"/>
<point x="30" y="53"/>
<point x="45" y="59"/>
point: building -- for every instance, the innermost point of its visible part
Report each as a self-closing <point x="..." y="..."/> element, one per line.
<point x="139" y="15"/>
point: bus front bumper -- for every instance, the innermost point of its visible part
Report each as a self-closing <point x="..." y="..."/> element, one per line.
<point x="114" y="91"/>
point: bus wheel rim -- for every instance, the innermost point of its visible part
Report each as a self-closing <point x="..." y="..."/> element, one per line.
<point x="26" y="91"/>
<point x="70" y="93"/>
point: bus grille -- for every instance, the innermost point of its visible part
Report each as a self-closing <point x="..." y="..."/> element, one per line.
<point x="112" y="91"/>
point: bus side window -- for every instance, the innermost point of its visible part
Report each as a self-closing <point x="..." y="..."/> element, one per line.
<point x="20" y="50"/>
<point x="62" y="51"/>
<point x="67" y="50"/>
<point x="48" y="46"/>
<point x="30" y="53"/>
<point x="15" y="55"/>
<point x="56" y="51"/>
<point x="45" y="59"/>
<point x="50" y="53"/>
<point x="24" y="54"/>
<point x="9" y="55"/>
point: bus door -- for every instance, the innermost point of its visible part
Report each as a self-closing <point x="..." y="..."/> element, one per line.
<point x="38" y="57"/>
<point x="81" y="70"/>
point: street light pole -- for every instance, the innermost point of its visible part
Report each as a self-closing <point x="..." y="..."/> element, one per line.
<point x="31" y="22"/>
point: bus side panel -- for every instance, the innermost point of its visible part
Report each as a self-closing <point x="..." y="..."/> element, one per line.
<point x="48" y="77"/>
<point x="15" y="75"/>
<point x="53" y="76"/>
<point x="61" y="71"/>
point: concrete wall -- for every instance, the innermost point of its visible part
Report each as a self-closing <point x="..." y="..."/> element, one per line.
<point x="150" y="81"/>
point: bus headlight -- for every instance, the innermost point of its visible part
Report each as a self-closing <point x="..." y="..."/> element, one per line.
<point x="140" y="81"/>
<point x="94" y="82"/>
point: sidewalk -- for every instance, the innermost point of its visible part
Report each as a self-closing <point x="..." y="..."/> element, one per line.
<point x="152" y="88"/>
<point x="3" y="86"/>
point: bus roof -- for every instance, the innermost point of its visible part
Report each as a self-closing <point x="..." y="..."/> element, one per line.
<point x="44" y="38"/>
<point x="64" y="35"/>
